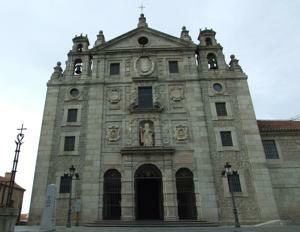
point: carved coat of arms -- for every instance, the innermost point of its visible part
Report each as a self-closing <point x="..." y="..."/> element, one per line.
<point x="144" y="66"/>
<point x="113" y="133"/>
<point x="176" y="93"/>
<point x="181" y="132"/>
<point x="113" y="95"/>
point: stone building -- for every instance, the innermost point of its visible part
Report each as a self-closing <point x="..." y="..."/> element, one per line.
<point x="149" y="121"/>
<point x="17" y="196"/>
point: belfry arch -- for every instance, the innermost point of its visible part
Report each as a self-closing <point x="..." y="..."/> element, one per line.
<point x="148" y="193"/>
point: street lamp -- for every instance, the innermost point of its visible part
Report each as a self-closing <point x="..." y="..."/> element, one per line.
<point x="227" y="172"/>
<point x="70" y="176"/>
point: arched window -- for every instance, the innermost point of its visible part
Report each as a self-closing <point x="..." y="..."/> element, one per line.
<point x="112" y="195"/>
<point x="208" y="41"/>
<point x="186" y="194"/>
<point x="212" y="61"/>
<point x="79" y="47"/>
<point x="78" y="67"/>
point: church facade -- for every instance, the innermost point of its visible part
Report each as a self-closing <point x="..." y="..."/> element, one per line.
<point x="149" y="120"/>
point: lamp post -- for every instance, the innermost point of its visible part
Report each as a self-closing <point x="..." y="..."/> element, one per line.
<point x="70" y="175"/>
<point x="227" y="172"/>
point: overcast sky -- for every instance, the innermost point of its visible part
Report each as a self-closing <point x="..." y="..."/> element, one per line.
<point x="263" y="34"/>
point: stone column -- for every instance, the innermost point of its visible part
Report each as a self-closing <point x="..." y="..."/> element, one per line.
<point x="169" y="193"/>
<point x="127" y="197"/>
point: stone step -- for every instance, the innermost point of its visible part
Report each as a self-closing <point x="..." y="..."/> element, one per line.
<point x="151" y="223"/>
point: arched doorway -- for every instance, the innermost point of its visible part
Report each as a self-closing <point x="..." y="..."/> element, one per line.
<point x="148" y="193"/>
<point x="186" y="195"/>
<point x="112" y="195"/>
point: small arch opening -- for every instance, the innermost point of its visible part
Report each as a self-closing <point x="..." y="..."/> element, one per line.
<point x="78" y="67"/>
<point x="212" y="61"/>
<point x="208" y="41"/>
<point x="79" y="47"/>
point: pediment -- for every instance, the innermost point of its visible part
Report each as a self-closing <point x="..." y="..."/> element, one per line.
<point x="156" y="40"/>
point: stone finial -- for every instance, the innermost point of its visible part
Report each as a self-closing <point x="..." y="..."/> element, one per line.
<point x="142" y="21"/>
<point x="100" y="39"/>
<point x="185" y="34"/>
<point x="58" y="71"/>
<point x="234" y="64"/>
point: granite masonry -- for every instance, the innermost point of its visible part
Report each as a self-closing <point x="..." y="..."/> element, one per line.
<point x="149" y="121"/>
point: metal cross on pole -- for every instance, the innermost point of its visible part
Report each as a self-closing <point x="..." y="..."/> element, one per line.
<point x="142" y="8"/>
<point x="18" y="142"/>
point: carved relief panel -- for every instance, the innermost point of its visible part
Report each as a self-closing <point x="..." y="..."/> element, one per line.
<point x="113" y="96"/>
<point x="180" y="133"/>
<point x="176" y="96"/>
<point x="113" y="133"/>
<point x="144" y="66"/>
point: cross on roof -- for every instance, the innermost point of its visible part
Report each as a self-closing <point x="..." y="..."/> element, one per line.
<point x="21" y="129"/>
<point x="142" y="7"/>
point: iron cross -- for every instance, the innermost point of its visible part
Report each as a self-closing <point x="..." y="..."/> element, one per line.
<point x="21" y="129"/>
<point x="142" y="8"/>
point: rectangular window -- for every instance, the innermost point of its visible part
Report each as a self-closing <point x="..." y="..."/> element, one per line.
<point x="145" y="97"/>
<point x="234" y="183"/>
<point x="65" y="184"/>
<point x="69" y="143"/>
<point x="270" y="149"/>
<point x="226" y="138"/>
<point x="72" y="115"/>
<point x="114" y="69"/>
<point x="221" y="109"/>
<point x="173" y="66"/>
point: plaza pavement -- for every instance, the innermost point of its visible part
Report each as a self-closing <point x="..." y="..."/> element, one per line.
<point x="286" y="228"/>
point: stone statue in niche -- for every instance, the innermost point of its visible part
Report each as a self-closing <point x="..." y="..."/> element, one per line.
<point x="113" y="95"/>
<point x="176" y="93"/>
<point x="146" y="134"/>
<point x="181" y="132"/>
<point x="113" y="133"/>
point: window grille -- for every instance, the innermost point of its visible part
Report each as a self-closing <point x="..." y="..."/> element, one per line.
<point x="234" y="182"/>
<point x="114" y="69"/>
<point x="226" y="138"/>
<point x="145" y="97"/>
<point x="69" y="143"/>
<point x="173" y="66"/>
<point x="270" y="149"/>
<point x="72" y="115"/>
<point x="65" y="184"/>
<point x="221" y="109"/>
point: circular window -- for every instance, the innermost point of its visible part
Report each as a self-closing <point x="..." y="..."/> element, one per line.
<point x="74" y="92"/>
<point x="143" y="40"/>
<point x="217" y="87"/>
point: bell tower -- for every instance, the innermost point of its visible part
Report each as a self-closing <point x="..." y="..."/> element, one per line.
<point x="210" y="54"/>
<point x="79" y="60"/>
